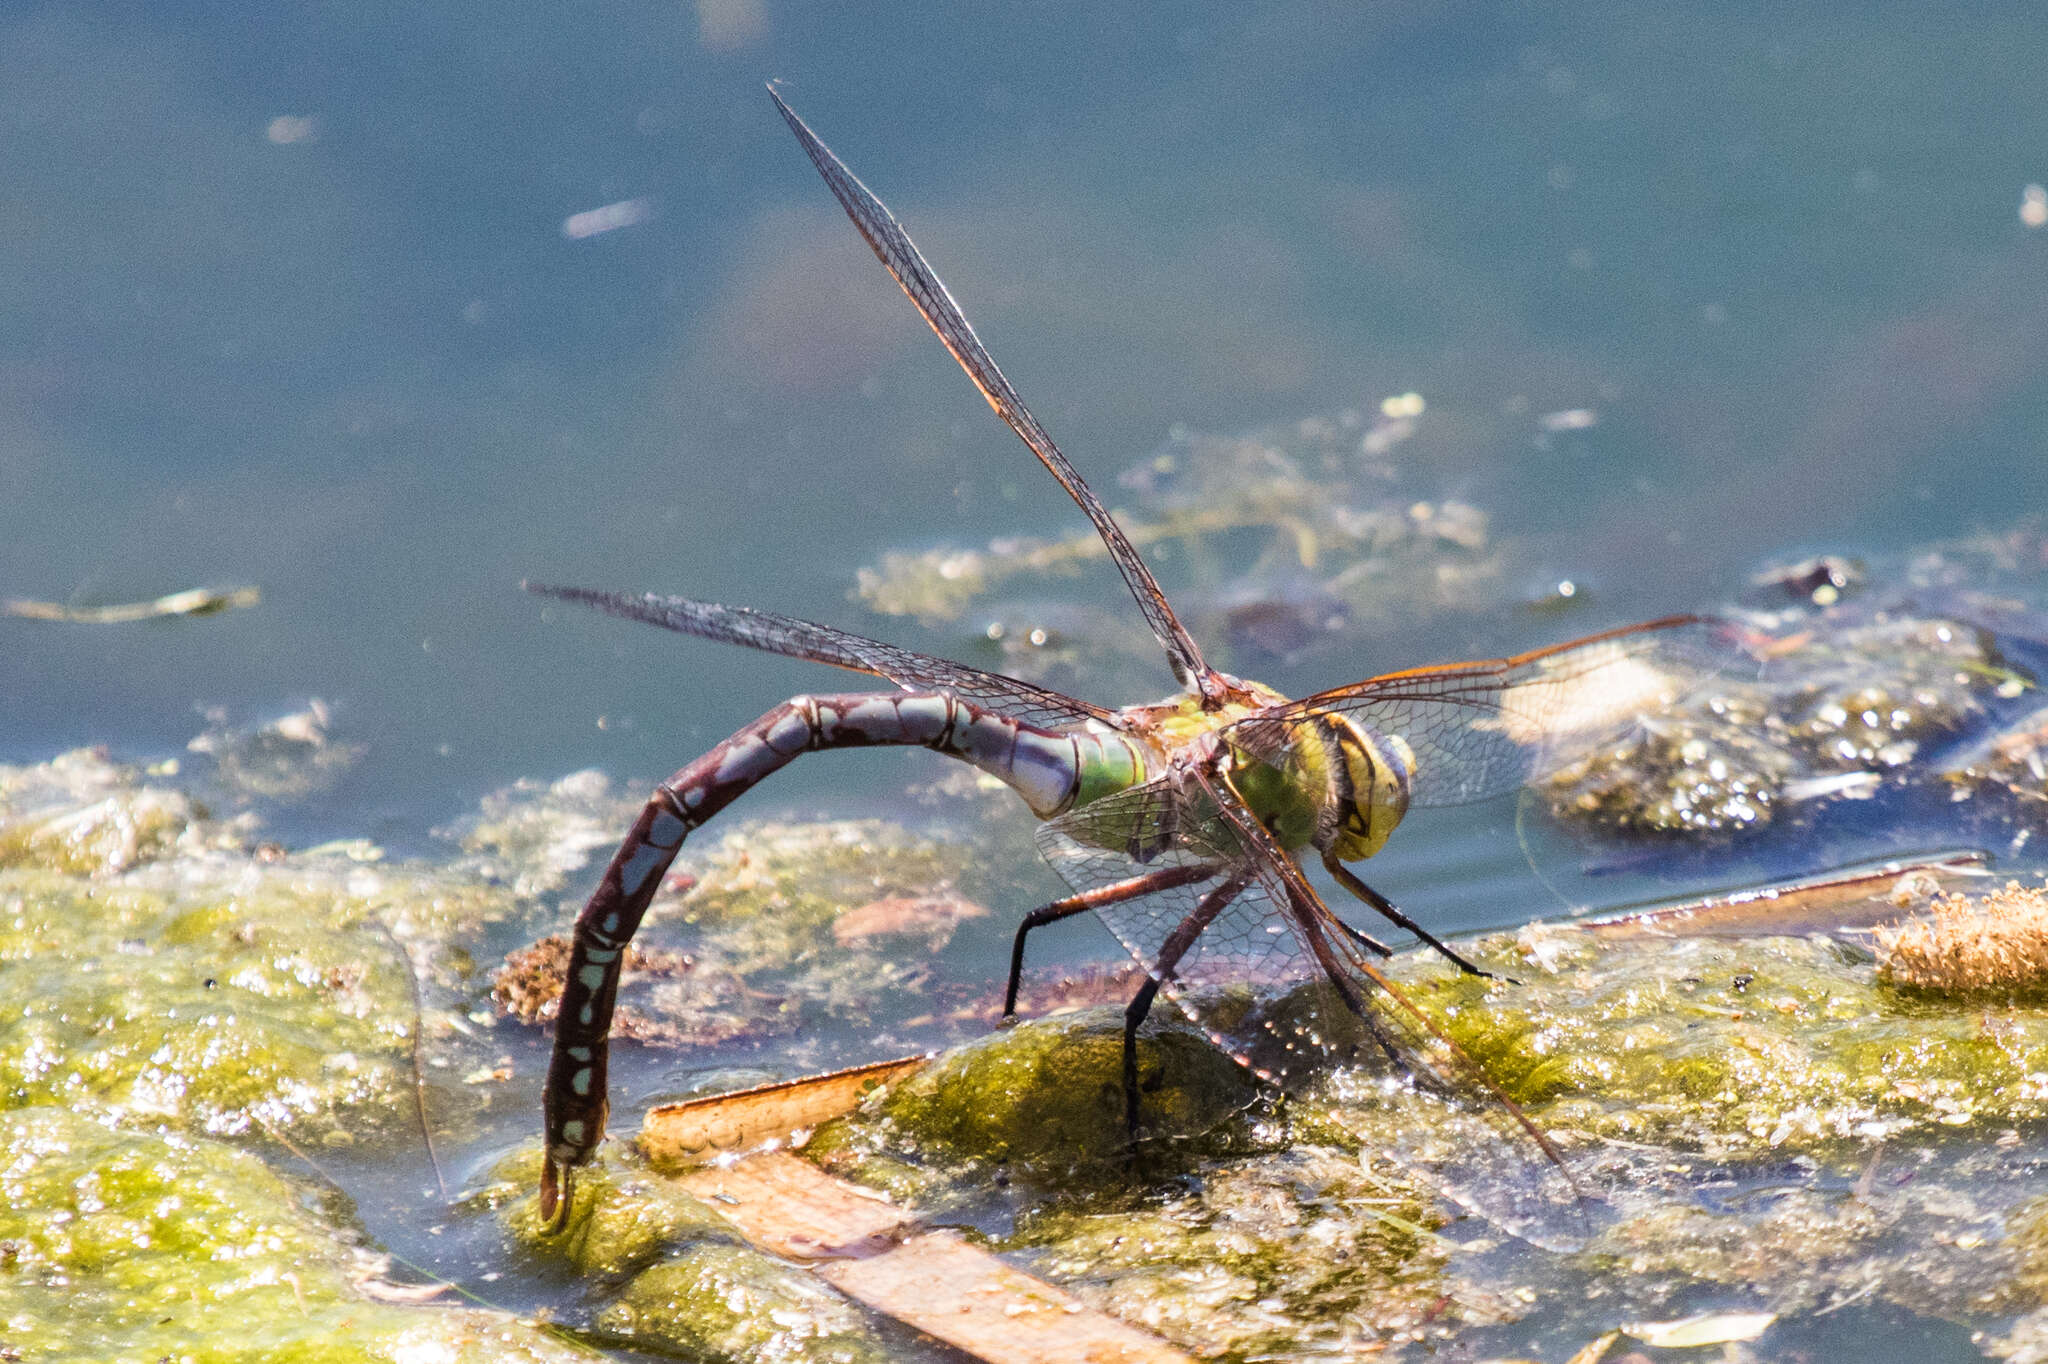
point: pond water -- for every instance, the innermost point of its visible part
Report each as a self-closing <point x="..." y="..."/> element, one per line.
<point x="382" y="313"/>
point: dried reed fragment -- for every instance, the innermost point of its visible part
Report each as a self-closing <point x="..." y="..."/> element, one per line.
<point x="1997" y="941"/>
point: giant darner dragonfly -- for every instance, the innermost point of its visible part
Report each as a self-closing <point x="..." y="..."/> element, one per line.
<point x="1180" y="825"/>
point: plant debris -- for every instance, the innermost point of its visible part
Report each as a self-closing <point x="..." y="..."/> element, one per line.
<point x="1993" y="942"/>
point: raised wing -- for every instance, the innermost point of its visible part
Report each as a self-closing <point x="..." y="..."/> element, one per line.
<point x="822" y="644"/>
<point x="910" y="270"/>
<point x="1481" y="729"/>
<point x="1278" y="983"/>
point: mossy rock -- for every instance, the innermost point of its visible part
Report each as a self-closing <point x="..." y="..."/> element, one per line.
<point x="1047" y="1097"/>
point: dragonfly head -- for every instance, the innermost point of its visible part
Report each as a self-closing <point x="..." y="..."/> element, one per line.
<point x="1334" y="785"/>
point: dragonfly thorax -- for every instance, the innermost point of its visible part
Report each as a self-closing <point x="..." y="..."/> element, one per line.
<point x="1335" y="786"/>
<point x="1180" y="723"/>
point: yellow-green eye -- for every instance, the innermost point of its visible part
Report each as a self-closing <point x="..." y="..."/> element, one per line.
<point x="1372" y="773"/>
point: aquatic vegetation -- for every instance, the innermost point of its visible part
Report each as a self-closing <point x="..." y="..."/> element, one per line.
<point x="82" y="814"/>
<point x="148" y="1246"/>
<point x="1339" y="538"/>
<point x="1768" y="1121"/>
<point x="674" y="1276"/>
<point x="534" y="836"/>
<point x="1308" y="1252"/>
<point x="284" y="759"/>
<point x="721" y="1301"/>
<point x="1843" y="697"/>
<point x="1992" y="942"/>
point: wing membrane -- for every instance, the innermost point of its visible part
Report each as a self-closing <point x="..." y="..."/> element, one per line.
<point x="1275" y="981"/>
<point x="804" y="639"/>
<point x="1481" y="729"/>
<point x="893" y="247"/>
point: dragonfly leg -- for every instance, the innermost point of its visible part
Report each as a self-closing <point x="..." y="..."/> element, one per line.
<point x="1387" y="908"/>
<point x="1365" y="940"/>
<point x="1170" y="952"/>
<point x="1041" y="764"/>
<point x="1164" y="879"/>
<point x="1311" y="918"/>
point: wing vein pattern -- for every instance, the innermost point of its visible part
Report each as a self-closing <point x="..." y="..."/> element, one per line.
<point x="893" y="247"/>
<point x="908" y="669"/>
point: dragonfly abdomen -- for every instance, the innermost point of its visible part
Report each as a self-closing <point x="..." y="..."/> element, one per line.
<point x="1050" y="769"/>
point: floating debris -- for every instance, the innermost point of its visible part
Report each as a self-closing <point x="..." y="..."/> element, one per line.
<point x="935" y="1281"/>
<point x="529" y="985"/>
<point x="714" y="1124"/>
<point x="1831" y="902"/>
<point x="285" y="759"/>
<point x="930" y="919"/>
<point x="1822" y="580"/>
<point x="1570" y="419"/>
<point x="1709" y="1328"/>
<point x="197" y="601"/>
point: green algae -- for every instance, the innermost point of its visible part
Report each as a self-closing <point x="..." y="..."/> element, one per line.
<point x="118" y="1247"/>
<point x="1306" y="1252"/>
<point x="210" y="1013"/>
<point x="672" y="1275"/>
<point x="82" y="814"/>
<point x="1651" y="1061"/>
<point x="1253" y="1229"/>
<point x="623" y="1219"/>
<point x="1732" y="1048"/>
<point x="727" y="1302"/>
<point x="1046" y="1101"/>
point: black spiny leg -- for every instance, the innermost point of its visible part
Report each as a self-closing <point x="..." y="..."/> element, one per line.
<point x="1388" y="909"/>
<point x="1170" y="952"/>
<point x="1164" y="879"/>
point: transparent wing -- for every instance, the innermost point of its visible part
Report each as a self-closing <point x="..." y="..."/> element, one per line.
<point x="1276" y="981"/>
<point x="1480" y="729"/>
<point x="893" y="247"/>
<point x="803" y="639"/>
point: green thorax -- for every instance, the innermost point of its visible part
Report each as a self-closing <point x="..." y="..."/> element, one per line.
<point x="1331" y="785"/>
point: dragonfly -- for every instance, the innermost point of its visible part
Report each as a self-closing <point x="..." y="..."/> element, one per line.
<point x="1182" y="825"/>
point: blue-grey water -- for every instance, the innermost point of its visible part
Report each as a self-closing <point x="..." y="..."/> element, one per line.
<point x="296" y="296"/>
<point x="352" y="357"/>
